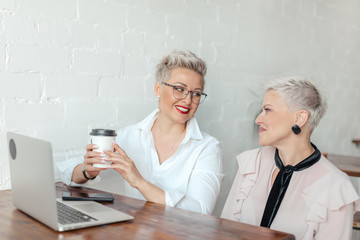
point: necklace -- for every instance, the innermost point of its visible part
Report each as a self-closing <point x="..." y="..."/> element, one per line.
<point x="169" y="151"/>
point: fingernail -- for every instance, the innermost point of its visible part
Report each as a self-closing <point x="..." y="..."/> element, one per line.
<point x="103" y="161"/>
<point x="103" y="155"/>
<point x="96" y="146"/>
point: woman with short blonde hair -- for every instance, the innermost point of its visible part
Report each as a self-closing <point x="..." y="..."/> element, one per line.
<point x="165" y="158"/>
<point x="287" y="184"/>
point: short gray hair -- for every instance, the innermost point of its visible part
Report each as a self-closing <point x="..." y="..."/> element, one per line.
<point x="182" y="59"/>
<point x="300" y="94"/>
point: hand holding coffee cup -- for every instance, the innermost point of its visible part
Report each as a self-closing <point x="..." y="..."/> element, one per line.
<point x="103" y="138"/>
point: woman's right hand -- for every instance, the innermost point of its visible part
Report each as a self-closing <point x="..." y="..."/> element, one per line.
<point x="92" y="157"/>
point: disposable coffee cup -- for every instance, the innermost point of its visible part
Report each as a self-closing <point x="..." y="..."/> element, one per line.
<point x="103" y="138"/>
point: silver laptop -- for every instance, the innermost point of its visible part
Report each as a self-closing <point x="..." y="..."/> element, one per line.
<point x="33" y="189"/>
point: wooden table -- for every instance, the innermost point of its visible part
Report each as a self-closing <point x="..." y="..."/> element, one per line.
<point x="151" y="221"/>
<point x="356" y="223"/>
<point x="348" y="164"/>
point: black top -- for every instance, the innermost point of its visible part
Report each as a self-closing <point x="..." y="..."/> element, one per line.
<point x="281" y="184"/>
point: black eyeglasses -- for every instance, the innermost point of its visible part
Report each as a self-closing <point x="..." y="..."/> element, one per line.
<point x="180" y="92"/>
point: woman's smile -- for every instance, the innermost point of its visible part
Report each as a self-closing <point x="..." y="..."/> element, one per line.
<point x="182" y="109"/>
<point x="261" y="129"/>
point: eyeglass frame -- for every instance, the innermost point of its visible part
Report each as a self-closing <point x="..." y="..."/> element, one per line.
<point x="186" y="94"/>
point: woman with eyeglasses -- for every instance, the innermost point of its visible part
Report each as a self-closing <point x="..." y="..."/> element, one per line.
<point x="165" y="158"/>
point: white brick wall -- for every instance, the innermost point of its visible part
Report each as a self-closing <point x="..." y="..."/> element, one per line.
<point x="19" y="29"/>
<point x="88" y="61"/>
<point x="34" y="58"/>
<point x="67" y="66"/>
<point x="69" y="85"/>
<point x="27" y="115"/>
<point x="11" y="82"/>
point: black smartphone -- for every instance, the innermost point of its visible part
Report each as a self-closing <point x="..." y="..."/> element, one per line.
<point x="77" y="196"/>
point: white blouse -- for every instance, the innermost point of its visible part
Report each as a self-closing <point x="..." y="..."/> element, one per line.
<point x="191" y="177"/>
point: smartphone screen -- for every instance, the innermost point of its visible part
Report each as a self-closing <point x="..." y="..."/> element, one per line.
<point x="78" y="196"/>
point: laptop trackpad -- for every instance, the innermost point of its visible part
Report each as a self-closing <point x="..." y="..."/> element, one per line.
<point x="92" y="207"/>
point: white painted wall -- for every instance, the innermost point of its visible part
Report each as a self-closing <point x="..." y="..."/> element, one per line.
<point x="67" y="66"/>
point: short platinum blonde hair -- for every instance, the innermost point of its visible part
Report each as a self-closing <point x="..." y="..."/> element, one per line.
<point x="300" y="94"/>
<point x="182" y="59"/>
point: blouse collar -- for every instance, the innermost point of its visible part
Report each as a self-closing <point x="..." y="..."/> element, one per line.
<point x="192" y="127"/>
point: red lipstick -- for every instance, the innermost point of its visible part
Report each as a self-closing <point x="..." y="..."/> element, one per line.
<point x="182" y="109"/>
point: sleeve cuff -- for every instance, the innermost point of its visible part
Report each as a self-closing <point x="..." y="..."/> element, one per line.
<point x="173" y="198"/>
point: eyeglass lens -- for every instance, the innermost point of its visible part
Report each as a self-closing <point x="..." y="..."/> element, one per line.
<point x="196" y="96"/>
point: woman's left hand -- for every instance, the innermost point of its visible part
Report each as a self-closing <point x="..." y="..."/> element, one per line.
<point x="125" y="166"/>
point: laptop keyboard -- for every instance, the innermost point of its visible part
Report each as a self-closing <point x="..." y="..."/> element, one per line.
<point x="68" y="215"/>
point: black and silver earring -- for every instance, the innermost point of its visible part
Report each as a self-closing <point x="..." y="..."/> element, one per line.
<point x="296" y="129"/>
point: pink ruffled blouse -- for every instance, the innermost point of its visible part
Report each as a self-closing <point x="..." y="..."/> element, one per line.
<point x="319" y="203"/>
